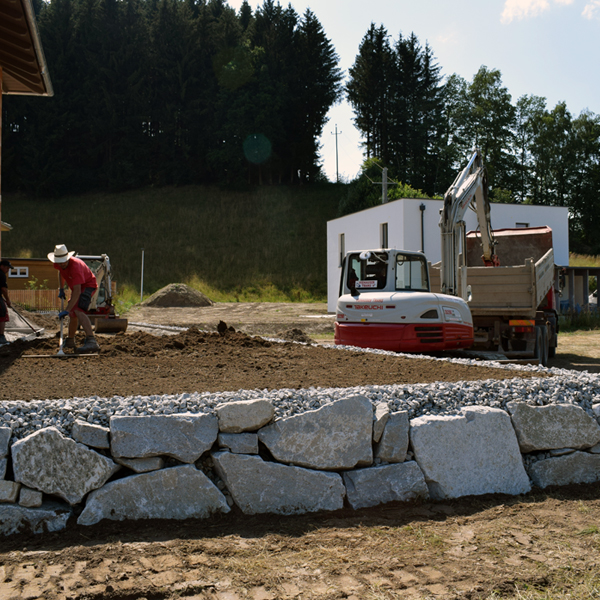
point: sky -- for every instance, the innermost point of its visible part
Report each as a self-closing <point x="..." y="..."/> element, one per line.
<point x="547" y="48"/>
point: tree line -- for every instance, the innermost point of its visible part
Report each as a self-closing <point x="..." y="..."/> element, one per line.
<point x="423" y="127"/>
<point x="155" y="92"/>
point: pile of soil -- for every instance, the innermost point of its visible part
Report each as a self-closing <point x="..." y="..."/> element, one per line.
<point x="295" y="335"/>
<point x="177" y="295"/>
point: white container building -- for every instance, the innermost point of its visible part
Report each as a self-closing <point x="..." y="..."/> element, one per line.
<point x="413" y="224"/>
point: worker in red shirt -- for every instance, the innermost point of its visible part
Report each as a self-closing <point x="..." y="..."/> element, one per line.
<point x="82" y="283"/>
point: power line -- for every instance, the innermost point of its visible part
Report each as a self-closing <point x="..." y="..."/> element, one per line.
<point x="337" y="173"/>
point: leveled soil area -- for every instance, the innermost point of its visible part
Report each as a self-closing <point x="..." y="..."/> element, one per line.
<point x="544" y="544"/>
<point x="140" y="363"/>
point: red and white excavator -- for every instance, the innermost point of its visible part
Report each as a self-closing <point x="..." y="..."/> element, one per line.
<point x="386" y="300"/>
<point x="102" y="310"/>
<point x="386" y="303"/>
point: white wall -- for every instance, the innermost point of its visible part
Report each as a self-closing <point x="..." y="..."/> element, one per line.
<point x="362" y="231"/>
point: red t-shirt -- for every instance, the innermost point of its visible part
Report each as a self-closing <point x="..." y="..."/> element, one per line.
<point x="77" y="273"/>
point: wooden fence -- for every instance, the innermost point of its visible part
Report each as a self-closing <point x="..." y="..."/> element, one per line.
<point x="35" y="299"/>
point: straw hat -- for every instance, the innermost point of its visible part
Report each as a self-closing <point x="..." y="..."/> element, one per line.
<point x="60" y="254"/>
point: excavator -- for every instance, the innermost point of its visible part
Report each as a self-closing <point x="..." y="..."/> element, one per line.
<point x="386" y="303"/>
<point x="102" y="310"/>
<point x="469" y="190"/>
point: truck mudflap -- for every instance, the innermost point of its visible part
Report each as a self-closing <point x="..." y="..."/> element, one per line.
<point x="409" y="337"/>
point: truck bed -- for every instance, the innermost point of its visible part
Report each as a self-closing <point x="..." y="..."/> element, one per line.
<point x="514" y="291"/>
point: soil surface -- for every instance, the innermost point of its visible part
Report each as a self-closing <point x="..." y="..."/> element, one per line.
<point x="196" y="361"/>
<point x="546" y="542"/>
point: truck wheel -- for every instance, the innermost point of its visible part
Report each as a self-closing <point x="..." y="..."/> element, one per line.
<point x="545" y="346"/>
<point x="553" y="338"/>
<point x="541" y="345"/>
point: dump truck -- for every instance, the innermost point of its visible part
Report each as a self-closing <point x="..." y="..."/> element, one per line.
<point x="511" y="292"/>
<point x="512" y="305"/>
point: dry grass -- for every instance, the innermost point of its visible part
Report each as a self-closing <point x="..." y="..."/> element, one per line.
<point x="265" y="243"/>
<point x="583" y="260"/>
<point x="580" y="343"/>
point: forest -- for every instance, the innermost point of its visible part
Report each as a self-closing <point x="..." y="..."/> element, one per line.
<point x="170" y="92"/>
<point x="423" y="127"/>
<point x="176" y="92"/>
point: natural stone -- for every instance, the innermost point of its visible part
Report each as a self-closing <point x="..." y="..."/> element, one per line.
<point x="553" y="426"/>
<point x="91" y="435"/>
<point x="561" y="451"/>
<point x="469" y="454"/>
<point x="3" y="465"/>
<point x="382" y="414"/>
<point x="244" y="415"/>
<point x="578" y="467"/>
<point x="9" y="491"/>
<point x="52" y="463"/>
<point x="30" y="498"/>
<point x="258" y="486"/>
<point x="182" y="436"/>
<point x="594" y="449"/>
<point x="142" y="465"/>
<point x="336" y="436"/>
<point x="239" y="443"/>
<point x="5" y="433"/>
<point x="388" y="483"/>
<point x="51" y="516"/>
<point x="394" y="442"/>
<point x="180" y="492"/>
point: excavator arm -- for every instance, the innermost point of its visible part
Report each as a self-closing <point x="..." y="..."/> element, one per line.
<point x="469" y="190"/>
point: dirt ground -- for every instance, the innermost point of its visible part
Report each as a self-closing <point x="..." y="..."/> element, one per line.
<point x="542" y="545"/>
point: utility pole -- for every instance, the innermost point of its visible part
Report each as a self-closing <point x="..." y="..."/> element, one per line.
<point x="337" y="175"/>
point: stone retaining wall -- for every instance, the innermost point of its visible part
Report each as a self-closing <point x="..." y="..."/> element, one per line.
<point x="195" y="465"/>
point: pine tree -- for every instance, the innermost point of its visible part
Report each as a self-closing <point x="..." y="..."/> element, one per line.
<point x="369" y="91"/>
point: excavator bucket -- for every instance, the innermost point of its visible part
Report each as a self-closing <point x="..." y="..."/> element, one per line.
<point x="110" y="324"/>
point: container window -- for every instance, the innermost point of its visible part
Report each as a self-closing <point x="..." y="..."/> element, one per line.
<point x="383" y="235"/>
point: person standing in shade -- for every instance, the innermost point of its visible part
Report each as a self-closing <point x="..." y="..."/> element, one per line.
<point x="5" y="304"/>
<point x="82" y="283"/>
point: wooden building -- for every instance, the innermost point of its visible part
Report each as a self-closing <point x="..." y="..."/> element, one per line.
<point x="32" y="273"/>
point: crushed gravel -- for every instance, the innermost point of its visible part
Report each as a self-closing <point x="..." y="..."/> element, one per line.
<point x="553" y="386"/>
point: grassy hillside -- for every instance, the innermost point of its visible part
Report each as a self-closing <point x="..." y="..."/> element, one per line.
<point x="267" y="243"/>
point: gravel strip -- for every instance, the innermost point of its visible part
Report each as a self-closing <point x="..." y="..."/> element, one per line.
<point x="564" y="386"/>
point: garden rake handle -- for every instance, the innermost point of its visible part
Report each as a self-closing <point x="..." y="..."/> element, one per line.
<point x="60" y="347"/>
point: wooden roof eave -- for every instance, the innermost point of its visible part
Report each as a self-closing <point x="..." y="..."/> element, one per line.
<point x="22" y="59"/>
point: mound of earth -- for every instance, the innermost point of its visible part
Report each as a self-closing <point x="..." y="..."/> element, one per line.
<point x="295" y="335"/>
<point x="177" y="295"/>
